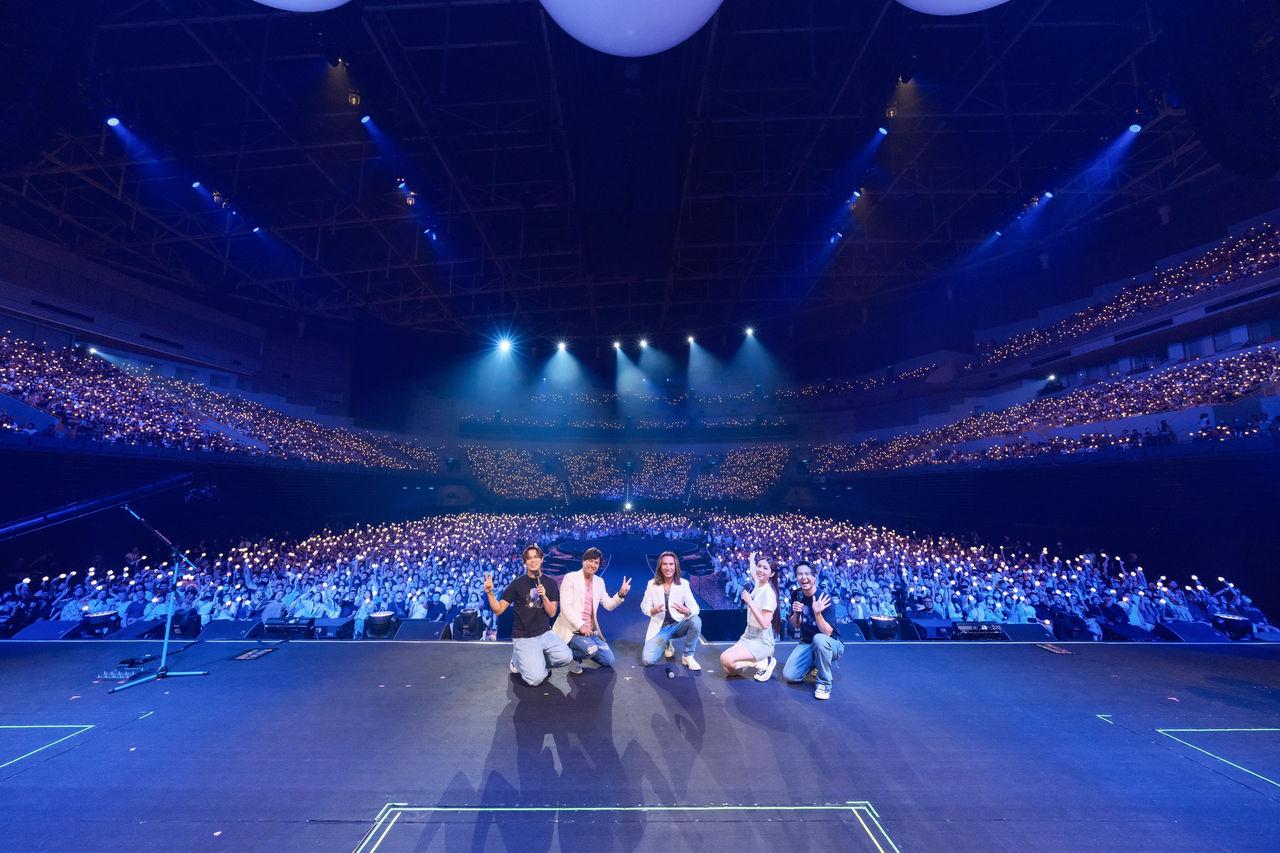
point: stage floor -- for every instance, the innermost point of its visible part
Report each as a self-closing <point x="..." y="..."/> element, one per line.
<point x="343" y="745"/>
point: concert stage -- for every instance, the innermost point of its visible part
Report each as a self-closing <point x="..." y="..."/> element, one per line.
<point x="377" y="745"/>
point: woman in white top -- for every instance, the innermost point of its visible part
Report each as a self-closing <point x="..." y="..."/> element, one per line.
<point x="756" y="643"/>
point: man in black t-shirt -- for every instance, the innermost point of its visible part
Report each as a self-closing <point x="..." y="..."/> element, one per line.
<point x="535" y="647"/>
<point x="820" y="644"/>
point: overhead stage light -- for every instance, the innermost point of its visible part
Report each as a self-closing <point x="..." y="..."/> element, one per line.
<point x="691" y="339"/>
<point x="750" y="331"/>
<point x="113" y="122"/>
<point x="1135" y="128"/>
<point x="883" y="131"/>
<point x="617" y="344"/>
<point x="195" y="185"/>
<point x="836" y="237"/>
<point x="643" y="343"/>
<point x="562" y="346"/>
<point x="504" y="345"/>
<point x="631" y="27"/>
<point x="365" y="119"/>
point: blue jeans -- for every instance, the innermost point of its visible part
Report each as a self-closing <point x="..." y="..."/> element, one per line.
<point x="821" y="653"/>
<point x="690" y="629"/>
<point x="534" y="655"/>
<point x="581" y="648"/>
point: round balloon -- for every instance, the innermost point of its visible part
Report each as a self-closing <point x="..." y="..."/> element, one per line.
<point x="303" y="5"/>
<point x="631" y="27"/>
<point x="950" y="7"/>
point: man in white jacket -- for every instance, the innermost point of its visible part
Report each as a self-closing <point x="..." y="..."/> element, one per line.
<point x="581" y="594"/>
<point x="673" y="612"/>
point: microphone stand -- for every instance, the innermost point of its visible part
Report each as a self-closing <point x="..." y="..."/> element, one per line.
<point x="162" y="671"/>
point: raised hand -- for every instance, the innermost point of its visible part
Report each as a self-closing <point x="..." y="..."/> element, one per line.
<point x="821" y="603"/>
<point x="488" y="583"/>
<point x="626" y="585"/>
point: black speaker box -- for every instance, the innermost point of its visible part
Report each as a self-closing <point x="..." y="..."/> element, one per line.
<point x="723" y="626"/>
<point x="148" y="629"/>
<point x="334" y="629"/>
<point x="1124" y="633"/>
<point x="50" y="629"/>
<point x="927" y="629"/>
<point x="1027" y="632"/>
<point x="851" y="633"/>
<point x="1190" y="632"/>
<point x="419" y="629"/>
<point x="232" y="629"/>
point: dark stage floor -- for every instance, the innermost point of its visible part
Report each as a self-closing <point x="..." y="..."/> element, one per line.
<point x="432" y="746"/>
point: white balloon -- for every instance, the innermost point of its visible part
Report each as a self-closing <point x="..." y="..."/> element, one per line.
<point x="303" y="5"/>
<point x="631" y="27"/>
<point x="950" y="7"/>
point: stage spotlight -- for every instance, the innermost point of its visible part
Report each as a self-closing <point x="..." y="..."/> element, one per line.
<point x="691" y="339"/>
<point x="113" y="122"/>
<point x="1135" y="128"/>
<point x="431" y="234"/>
<point x="562" y="346"/>
<point x="401" y="185"/>
<point x="627" y="505"/>
<point x="257" y="229"/>
<point x="617" y="345"/>
<point x="92" y="351"/>
<point x="1048" y="195"/>
<point x="643" y="343"/>
<point x="365" y="119"/>
<point x="883" y="131"/>
<point x="999" y="233"/>
<point x="195" y="185"/>
<point x="750" y="331"/>
<point x="504" y="345"/>
<point x="836" y="237"/>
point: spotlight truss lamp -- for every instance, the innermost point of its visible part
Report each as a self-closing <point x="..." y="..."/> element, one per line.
<point x="836" y="237"/>
<point x="643" y="343"/>
<point x="562" y="346"/>
<point x="691" y="339"/>
<point x="750" y="331"/>
<point x="365" y="119"/>
<point x="504" y="345"/>
<point x="883" y="131"/>
<point x="113" y="122"/>
<point x="617" y="344"/>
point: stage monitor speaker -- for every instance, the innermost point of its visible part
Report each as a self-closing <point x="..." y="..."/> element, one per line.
<point x="147" y="629"/>
<point x="977" y="631"/>
<point x="928" y="629"/>
<point x="420" y="629"/>
<point x="1190" y="632"/>
<point x="334" y="629"/>
<point x="50" y="629"/>
<point x="851" y="633"/>
<point x="1027" y="632"/>
<point x="722" y="626"/>
<point x="1125" y="633"/>
<point x="232" y="629"/>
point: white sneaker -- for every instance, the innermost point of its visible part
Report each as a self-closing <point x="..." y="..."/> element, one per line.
<point x="670" y="652"/>
<point x="767" y="673"/>
<point x="690" y="663"/>
<point x="822" y="691"/>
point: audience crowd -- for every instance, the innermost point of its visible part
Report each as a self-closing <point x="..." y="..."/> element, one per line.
<point x="1235" y="258"/>
<point x="1200" y="383"/>
<point x="434" y="568"/>
<point x="96" y="400"/>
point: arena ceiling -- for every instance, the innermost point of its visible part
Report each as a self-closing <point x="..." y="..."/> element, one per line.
<point x="579" y="193"/>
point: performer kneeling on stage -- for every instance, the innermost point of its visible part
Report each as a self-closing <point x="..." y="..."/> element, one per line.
<point x="581" y="595"/>
<point x="755" y="647"/>
<point x="672" y="611"/>
<point x="536" y="648"/>
<point x="820" y="643"/>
